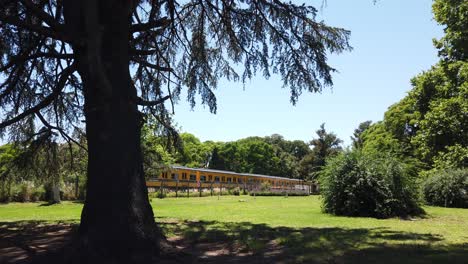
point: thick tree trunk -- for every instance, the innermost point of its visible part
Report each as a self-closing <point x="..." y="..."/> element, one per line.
<point x="117" y="222"/>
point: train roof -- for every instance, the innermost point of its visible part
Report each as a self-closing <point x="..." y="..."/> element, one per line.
<point x="232" y="173"/>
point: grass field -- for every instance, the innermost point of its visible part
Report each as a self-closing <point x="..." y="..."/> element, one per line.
<point x="290" y="230"/>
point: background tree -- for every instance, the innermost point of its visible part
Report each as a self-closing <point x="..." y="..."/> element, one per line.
<point x="112" y="62"/>
<point x="9" y="153"/>
<point x="326" y="145"/>
<point x="357" y="139"/>
<point x="216" y="161"/>
<point x="429" y="124"/>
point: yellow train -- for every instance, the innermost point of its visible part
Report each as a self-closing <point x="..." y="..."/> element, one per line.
<point x="200" y="178"/>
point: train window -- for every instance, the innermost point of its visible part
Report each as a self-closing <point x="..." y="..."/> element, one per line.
<point x="184" y="176"/>
<point x="174" y="176"/>
<point x="193" y="177"/>
<point x="234" y="179"/>
<point x="216" y="179"/>
<point x="229" y="179"/>
<point x="239" y="180"/>
<point x="223" y="179"/>
<point x="203" y="178"/>
<point x="210" y="178"/>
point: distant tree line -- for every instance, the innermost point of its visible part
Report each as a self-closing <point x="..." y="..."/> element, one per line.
<point x="271" y="155"/>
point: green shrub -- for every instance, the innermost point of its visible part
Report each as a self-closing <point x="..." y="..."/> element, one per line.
<point x="448" y="188"/>
<point x="234" y="191"/>
<point x="68" y="192"/>
<point x="21" y="192"/>
<point x="265" y="186"/>
<point x="358" y="184"/>
<point x="38" y="194"/>
<point x="183" y="193"/>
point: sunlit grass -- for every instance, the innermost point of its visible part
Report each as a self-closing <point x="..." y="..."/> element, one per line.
<point x="306" y="212"/>
<point x="296" y="224"/>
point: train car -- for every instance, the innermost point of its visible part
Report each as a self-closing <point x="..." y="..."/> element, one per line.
<point x="201" y="178"/>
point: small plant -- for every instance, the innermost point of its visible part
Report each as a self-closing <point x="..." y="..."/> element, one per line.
<point x="265" y="186"/>
<point x="235" y="191"/>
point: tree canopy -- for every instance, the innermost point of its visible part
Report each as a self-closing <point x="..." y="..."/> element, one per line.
<point x="113" y="64"/>
<point x="430" y="123"/>
<point x="170" y="44"/>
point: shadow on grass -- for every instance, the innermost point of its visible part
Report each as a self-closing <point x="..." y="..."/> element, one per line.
<point x="49" y="203"/>
<point x="227" y="242"/>
<point x="217" y="242"/>
<point x="23" y="240"/>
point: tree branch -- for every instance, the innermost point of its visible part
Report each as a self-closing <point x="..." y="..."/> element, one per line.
<point x="39" y="12"/>
<point x="23" y="58"/>
<point x="59" y="129"/>
<point x="152" y="103"/>
<point x="46" y="101"/>
<point x="152" y="66"/>
<point x="161" y="23"/>
<point x="139" y="52"/>
<point x="36" y="28"/>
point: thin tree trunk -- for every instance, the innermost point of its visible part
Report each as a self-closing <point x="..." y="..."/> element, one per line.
<point x="117" y="221"/>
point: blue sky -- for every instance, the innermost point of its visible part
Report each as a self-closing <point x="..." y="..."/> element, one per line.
<point x="392" y="42"/>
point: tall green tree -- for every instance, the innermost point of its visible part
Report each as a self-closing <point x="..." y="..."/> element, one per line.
<point x="110" y="63"/>
<point x="326" y="145"/>
<point x="357" y="139"/>
<point x="430" y="123"/>
<point x="452" y="14"/>
<point x="217" y="162"/>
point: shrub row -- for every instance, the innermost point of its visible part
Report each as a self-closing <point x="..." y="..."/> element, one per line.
<point x="172" y="194"/>
<point x="27" y="191"/>
<point x="266" y="193"/>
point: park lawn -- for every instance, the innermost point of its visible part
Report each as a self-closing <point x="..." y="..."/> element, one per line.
<point x="291" y="230"/>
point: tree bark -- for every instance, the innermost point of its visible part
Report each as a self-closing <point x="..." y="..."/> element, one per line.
<point x="117" y="221"/>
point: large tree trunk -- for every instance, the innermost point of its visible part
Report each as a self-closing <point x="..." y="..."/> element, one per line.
<point x="117" y="222"/>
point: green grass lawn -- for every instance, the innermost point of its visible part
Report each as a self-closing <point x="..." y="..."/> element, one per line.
<point x="293" y="228"/>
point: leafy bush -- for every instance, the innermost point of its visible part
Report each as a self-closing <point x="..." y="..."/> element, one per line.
<point x="21" y="192"/>
<point x="234" y="191"/>
<point x="265" y="186"/>
<point x="158" y="194"/>
<point x="358" y="184"/>
<point x="448" y="188"/>
<point x="38" y="194"/>
<point x="68" y="192"/>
